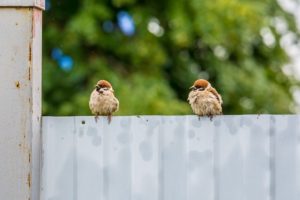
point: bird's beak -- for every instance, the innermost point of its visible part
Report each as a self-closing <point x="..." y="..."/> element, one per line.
<point x="192" y="88"/>
<point x="97" y="88"/>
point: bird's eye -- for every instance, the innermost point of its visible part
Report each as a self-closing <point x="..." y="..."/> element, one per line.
<point x="105" y="88"/>
<point x="97" y="88"/>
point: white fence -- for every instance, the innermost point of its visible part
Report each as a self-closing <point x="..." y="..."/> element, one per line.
<point x="246" y="157"/>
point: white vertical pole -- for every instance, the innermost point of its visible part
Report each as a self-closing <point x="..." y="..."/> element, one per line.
<point x="20" y="98"/>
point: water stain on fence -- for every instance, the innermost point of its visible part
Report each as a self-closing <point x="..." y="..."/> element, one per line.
<point x="145" y="151"/>
<point x="123" y="138"/>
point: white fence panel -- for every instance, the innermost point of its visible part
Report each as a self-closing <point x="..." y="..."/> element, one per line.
<point x="171" y="158"/>
<point x="201" y="157"/>
<point x="59" y="178"/>
<point x="242" y="158"/>
<point x="145" y="159"/>
<point x="287" y="157"/>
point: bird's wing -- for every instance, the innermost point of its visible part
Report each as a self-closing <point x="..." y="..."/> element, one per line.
<point x="116" y="104"/>
<point x="216" y="94"/>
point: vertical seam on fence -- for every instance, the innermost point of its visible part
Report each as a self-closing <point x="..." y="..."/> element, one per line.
<point x="160" y="164"/>
<point x="106" y="160"/>
<point x="186" y="128"/>
<point x="215" y="164"/>
<point x="130" y="143"/>
<point x="104" y="167"/>
<point x="186" y="156"/>
<point x="272" y="143"/>
<point x="75" y="166"/>
<point x="44" y="129"/>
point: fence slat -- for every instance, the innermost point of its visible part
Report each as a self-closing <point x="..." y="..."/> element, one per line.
<point x="173" y="158"/>
<point x="287" y="157"/>
<point x="145" y="158"/>
<point x="89" y="158"/>
<point x="117" y="158"/>
<point x="59" y="155"/>
<point x="200" y="163"/>
<point x="242" y="148"/>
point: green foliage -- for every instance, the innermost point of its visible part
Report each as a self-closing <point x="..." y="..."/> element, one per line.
<point x="217" y="40"/>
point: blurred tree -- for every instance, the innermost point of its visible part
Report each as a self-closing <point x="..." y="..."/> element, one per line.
<point x="152" y="51"/>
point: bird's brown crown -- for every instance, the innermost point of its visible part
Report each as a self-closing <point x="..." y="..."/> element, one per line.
<point x="201" y="83"/>
<point x="104" y="83"/>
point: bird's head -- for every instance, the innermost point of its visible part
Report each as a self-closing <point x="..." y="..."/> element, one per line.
<point x="103" y="86"/>
<point x="200" y="85"/>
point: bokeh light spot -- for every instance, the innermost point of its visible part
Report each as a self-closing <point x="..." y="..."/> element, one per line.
<point x="155" y="28"/>
<point x="126" y="23"/>
<point x="66" y="63"/>
<point x="56" y="53"/>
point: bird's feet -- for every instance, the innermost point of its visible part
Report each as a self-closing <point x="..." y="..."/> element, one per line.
<point x="210" y="117"/>
<point x="96" y="118"/>
<point x="199" y="117"/>
<point x="109" y="119"/>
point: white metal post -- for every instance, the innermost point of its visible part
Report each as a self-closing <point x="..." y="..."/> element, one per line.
<point x="20" y="98"/>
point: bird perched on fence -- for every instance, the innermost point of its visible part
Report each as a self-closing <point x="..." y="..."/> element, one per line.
<point x="204" y="99"/>
<point x="103" y="101"/>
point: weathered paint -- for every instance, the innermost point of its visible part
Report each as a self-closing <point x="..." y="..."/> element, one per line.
<point x="20" y="80"/>
<point x="23" y="3"/>
<point x="171" y="158"/>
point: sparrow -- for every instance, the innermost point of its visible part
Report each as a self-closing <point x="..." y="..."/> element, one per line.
<point x="103" y="101"/>
<point x="204" y="99"/>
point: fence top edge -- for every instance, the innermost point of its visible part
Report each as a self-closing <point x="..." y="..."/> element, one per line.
<point x="182" y="116"/>
<point x="40" y="4"/>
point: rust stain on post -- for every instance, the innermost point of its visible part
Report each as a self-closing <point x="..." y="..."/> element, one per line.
<point x="17" y="84"/>
<point x="30" y="53"/>
<point x="29" y="73"/>
<point x="29" y="180"/>
<point x="30" y="61"/>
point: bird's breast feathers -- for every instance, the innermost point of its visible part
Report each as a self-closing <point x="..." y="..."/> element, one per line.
<point x="103" y="104"/>
<point x="205" y="102"/>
